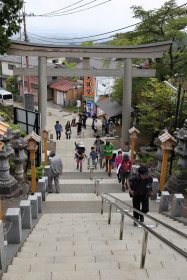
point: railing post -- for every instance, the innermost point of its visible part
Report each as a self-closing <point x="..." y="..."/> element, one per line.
<point x="164" y="202"/>
<point x="144" y="249"/>
<point x="13" y="225"/>
<point x="121" y="227"/>
<point x="91" y="172"/>
<point x="102" y="204"/>
<point x="26" y="218"/>
<point x="109" y="214"/>
<point x="176" y="210"/>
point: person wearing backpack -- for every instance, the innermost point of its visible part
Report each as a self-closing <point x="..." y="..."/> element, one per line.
<point x="125" y="169"/>
<point x="108" y="152"/>
<point x="140" y="189"/>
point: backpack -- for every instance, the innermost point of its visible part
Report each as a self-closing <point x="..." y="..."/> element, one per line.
<point x="126" y="166"/>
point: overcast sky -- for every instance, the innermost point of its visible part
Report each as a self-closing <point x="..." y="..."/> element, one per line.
<point x="112" y="15"/>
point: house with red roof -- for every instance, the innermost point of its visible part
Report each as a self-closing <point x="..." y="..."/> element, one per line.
<point x="66" y="92"/>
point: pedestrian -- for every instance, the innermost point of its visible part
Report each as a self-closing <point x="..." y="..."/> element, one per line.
<point x="79" y="127"/>
<point x="140" y="188"/>
<point x="84" y="119"/>
<point x="58" y="129"/>
<point x="125" y="170"/>
<point x="117" y="164"/>
<point x="94" y="156"/>
<point x="74" y="117"/>
<point x="108" y="152"/>
<point x="103" y="121"/>
<point x="68" y="130"/>
<point x="95" y="127"/>
<point x="56" y="168"/>
<point x="107" y="124"/>
<point x="80" y="154"/>
<point x="113" y="160"/>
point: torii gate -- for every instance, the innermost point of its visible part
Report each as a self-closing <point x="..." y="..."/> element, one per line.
<point x="124" y="52"/>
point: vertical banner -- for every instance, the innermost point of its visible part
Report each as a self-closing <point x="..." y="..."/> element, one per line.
<point x="89" y="88"/>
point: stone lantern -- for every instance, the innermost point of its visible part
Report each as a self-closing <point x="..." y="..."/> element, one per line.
<point x="32" y="139"/>
<point x="20" y="156"/>
<point x="8" y="184"/>
<point x="133" y="136"/>
<point x="167" y="143"/>
<point x="178" y="182"/>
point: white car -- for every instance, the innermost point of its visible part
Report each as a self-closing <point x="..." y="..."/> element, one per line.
<point x="6" y="97"/>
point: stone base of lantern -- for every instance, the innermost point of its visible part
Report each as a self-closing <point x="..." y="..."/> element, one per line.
<point x="175" y="185"/>
<point x="9" y="188"/>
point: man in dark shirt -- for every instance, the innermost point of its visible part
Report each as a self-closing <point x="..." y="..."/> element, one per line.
<point x="140" y="188"/>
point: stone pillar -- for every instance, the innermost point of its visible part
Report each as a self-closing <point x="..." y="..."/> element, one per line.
<point x="13" y="225"/>
<point x="176" y="210"/>
<point x="34" y="206"/>
<point x="164" y="203"/>
<point x="42" y="96"/>
<point x="126" y="107"/>
<point x="26" y="218"/>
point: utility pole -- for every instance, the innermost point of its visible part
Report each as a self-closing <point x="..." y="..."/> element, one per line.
<point x="26" y="39"/>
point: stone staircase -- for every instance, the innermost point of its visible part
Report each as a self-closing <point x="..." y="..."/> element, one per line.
<point x="73" y="241"/>
<point x="83" y="246"/>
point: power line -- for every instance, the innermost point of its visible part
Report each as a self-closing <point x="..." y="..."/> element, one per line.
<point x="61" y="8"/>
<point x="85" y="37"/>
<point x="64" y="14"/>
<point x="55" y="13"/>
<point x="91" y="36"/>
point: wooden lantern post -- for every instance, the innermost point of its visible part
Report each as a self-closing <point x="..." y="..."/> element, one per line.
<point x="167" y="144"/>
<point x="32" y="140"/>
<point x="1" y="206"/>
<point x="45" y="134"/>
<point x="133" y="136"/>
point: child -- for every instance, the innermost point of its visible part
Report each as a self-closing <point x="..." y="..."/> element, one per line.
<point x="93" y="156"/>
<point x="118" y="161"/>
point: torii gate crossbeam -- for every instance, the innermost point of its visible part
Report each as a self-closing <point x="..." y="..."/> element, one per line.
<point x="127" y="53"/>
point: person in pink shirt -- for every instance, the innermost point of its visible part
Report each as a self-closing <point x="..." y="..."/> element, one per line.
<point x="118" y="160"/>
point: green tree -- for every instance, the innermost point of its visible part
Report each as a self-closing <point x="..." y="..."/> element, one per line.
<point x="156" y="106"/>
<point x="9" y="21"/>
<point x="12" y="85"/>
<point x="166" y="23"/>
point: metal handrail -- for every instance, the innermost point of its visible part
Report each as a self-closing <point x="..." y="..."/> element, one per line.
<point x="150" y="217"/>
<point x="145" y="228"/>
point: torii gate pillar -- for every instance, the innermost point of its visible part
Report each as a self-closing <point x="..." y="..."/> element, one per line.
<point x="42" y="97"/>
<point x="126" y="106"/>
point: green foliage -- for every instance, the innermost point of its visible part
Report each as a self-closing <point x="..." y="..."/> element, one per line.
<point x="87" y="43"/>
<point x="167" y="23"/>
<point x="12" y="85"/>
<point x="9" y="21"/>
<point x="6" y="113"/>
<point x="39" y="172"/>
<point x="157" y="106"/>
<point x="147" y="159"/>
